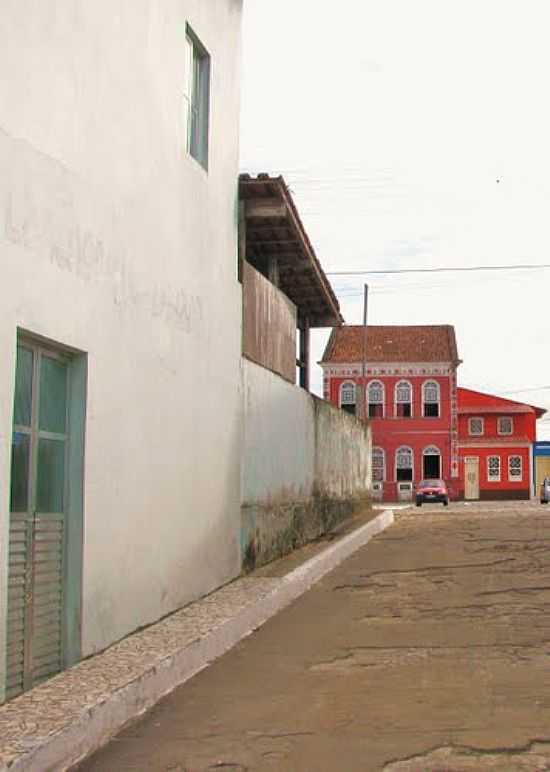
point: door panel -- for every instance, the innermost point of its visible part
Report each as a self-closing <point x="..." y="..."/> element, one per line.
<point x="37" y="522"/>
<point x="471" y="478"/>
<point x="542" y="467"/>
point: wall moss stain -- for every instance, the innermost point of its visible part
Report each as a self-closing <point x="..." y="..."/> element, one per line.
<point x="306" y="467"/>
<point x="281" y="530"/>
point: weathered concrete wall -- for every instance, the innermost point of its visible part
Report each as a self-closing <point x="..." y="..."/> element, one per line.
<point x="114" y="241"/>
<point x="269" y="325"/>
<point x="306" y="466"/>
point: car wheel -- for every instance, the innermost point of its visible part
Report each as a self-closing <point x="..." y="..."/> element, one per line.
<point x="418" y="503"/>
<point x="445" y="502"/>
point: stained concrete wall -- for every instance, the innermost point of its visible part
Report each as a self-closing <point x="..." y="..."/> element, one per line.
<point x="306" y="465"/>
<point x="117" y="243"/>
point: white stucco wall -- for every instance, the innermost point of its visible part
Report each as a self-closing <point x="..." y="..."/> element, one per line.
<point x="279" y="438"/>
<point x="115" y="242"/>
<point x="296" y="445"/>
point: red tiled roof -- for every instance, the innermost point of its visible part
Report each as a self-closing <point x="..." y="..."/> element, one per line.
<point x="471" y="401"/>
<point x="392" y="343"/>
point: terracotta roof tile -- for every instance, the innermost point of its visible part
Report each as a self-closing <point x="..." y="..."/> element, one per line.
<point x="392" y="343"/>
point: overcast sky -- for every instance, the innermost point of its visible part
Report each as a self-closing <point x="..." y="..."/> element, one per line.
<point x="416" y="134"/>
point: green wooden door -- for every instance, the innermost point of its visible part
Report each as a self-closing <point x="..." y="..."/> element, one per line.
<point x="37" y="548"/>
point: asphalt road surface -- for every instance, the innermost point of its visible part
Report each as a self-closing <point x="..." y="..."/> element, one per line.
<point x="426" y="651"/>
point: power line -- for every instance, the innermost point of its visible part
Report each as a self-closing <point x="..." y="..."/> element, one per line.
<point x="533" y="388"/>
<point x="528" y="267"/>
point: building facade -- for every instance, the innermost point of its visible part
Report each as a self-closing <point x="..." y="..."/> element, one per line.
<point x="120" y="331"/>
<point x="409" y="377"/>
<point x="496" y="438"/>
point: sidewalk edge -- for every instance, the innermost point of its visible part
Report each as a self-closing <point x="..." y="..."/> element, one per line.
<point x="100" y="723"/>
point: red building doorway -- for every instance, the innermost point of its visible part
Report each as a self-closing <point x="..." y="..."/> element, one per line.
<point x="431" y="464"/>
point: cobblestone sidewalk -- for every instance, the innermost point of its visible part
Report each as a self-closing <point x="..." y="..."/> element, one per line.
<point x="64" y="719"/>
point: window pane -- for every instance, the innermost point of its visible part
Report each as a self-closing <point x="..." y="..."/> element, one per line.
<point x="431" y="392"/>
<point x="19" y="472"/>
<point x="188" y="68"/>
<point x="376" y="393"/>
<point x="197" y="94"/>
<point x="404" y="474"/>
<point x="505" y="425"/>
<point x="348" y="394"/>
<point x="53" y="395"/>
<point x="378" y="464"/>
<point x="23" y="387"/>
<point x="494" y="467"/>
<point x="50" y="478"/>
<point x="514" y="466"/>
<point x="404" y="458"/>
<point x="403" y="392"/>
<point x="476" y="426"/>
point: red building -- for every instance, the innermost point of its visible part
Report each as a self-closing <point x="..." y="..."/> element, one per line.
<point x="496" y="439"/>
<point x="411" y="400"/>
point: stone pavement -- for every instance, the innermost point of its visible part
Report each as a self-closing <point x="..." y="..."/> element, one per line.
<point x="428" y="650"/>
<point x="64" y="719"/>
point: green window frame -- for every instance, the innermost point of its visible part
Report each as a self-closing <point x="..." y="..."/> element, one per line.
<point x="197" y="97"/>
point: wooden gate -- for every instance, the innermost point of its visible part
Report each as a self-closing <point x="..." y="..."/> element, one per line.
<point x="37" y="546"/>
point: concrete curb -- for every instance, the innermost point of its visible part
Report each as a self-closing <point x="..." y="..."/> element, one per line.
<point x="97" y="724"/>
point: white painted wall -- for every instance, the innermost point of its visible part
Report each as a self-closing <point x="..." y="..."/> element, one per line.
<point x="279" y="438"/>
<point x="296" y="444"/>
<point x="115" y="242"/>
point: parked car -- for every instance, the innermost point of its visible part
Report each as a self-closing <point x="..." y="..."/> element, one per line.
<point x="545" y="491"/>
<point x="428" y="491"/>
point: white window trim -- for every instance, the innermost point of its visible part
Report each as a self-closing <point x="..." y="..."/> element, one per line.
<point x="395" y="402"/>
<point x="383" y="385"/>
<point x="436" y="383"/>
<point x="403" y="447"/>
<point x="347" y="383"/>
<point x="508" y="418"/>
<point x="494" y="479"/>
<point x="431" y="450"/>
<point x="383" y="454"/>
<point x="476" y="434"/>
<point x="518" y="478"/>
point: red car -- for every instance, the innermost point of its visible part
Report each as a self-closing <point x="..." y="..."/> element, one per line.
<point x="428" y="491"/>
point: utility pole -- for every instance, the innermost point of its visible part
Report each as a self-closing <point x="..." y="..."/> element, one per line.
<point x="364" y="358"/>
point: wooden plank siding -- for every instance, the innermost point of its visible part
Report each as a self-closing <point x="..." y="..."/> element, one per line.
<point x="269" y="325"/>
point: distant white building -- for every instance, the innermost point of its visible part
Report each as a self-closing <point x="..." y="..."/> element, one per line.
<point x="120" y="321"/>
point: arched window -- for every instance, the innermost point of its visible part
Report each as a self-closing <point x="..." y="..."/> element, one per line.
<point x="347" y="397"/>
<point x="376" y="399"/>
<point x="430" y="399"/>
<point x="403" y="399"/>
<point x="431" y="463"/>
<point x="403" y="464"/>
<point x="378" y="464"/>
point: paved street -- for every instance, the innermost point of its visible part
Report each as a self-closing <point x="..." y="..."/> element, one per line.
<point x="427" y="650"/>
